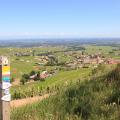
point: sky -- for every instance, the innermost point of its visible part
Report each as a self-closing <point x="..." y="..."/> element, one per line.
<point x="59" y="18"/>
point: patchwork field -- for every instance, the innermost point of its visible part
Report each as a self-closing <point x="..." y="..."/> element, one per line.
<point x="68" y="76"/>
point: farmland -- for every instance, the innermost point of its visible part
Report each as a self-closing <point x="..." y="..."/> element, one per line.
<point x="59" y="60"/>
<point x="51" y="82"/>
<point x="18" y="62"/>
<point x="26" y="59"/>
<point x="66" y="69"/>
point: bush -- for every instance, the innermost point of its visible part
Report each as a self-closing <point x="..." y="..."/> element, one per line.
<point x="32" y="73"/>
<point x="114" y="75"/>
<point x="114" y="97"/>
<point x="23" y="80"/>
<point x="26" y="76"/>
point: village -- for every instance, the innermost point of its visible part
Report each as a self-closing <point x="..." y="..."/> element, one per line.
<point x="91" y="61"/>
<point x="78" y="60"/>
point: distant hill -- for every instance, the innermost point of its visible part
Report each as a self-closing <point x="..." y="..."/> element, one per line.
<point x="62" y="41"/>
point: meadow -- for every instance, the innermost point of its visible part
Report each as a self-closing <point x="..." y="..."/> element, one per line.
<point x="40" y="87"/>
<point x="96" y="98"/>
<point x="80" y="93"/>
<point x="24" y="64"/>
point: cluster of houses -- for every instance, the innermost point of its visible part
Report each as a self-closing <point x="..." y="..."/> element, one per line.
<point x="90" y="60"/>
<point x="42" y="75"/>
<point x="86" y="61"/>
<point x="111" y="61"/>
<point x="42" y="60"/>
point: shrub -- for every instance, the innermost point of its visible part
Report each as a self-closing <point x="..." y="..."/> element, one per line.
<point x="26" y="76"/>
<point x="32" y="73"/>
<point x="23" y="80"/>
<point x="114" y="75"/>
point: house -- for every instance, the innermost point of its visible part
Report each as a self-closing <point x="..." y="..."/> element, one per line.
<point x="111" y="61"/>
<point x="33" y="76"/>
<point x="44" y="75"/>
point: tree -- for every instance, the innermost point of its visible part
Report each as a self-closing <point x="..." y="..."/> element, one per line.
<point x="83" y="52"/>
<point x="23" y="80"/>
<point x="52" y="61"/>
<point x="33" y="52"/>
<point x="32" y="73"/>
<point x="38" y="76"/>
<point x="26" y="76"/>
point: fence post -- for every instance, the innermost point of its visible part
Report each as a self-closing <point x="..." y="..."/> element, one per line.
<point x="5" y="96"/>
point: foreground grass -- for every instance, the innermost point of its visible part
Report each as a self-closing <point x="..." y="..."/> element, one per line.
<point x="96" y="99"/>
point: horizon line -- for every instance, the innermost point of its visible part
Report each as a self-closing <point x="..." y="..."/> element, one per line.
<point x="54" y="38"/>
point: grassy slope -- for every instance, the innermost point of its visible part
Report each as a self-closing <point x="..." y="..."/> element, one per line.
<point x="89" y="100"/>
<point x="18" y="68"/>
<point x="58" y="79"/>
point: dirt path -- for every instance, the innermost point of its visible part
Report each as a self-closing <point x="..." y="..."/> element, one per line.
<point x="26" y="101"/>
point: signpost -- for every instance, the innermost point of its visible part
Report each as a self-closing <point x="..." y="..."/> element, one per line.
<point x="5" y="95"/>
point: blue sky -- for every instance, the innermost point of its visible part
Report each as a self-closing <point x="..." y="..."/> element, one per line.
<point x="59" y="18"/>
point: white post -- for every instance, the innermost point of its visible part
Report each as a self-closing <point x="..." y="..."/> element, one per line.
<point x="5" y="96"/>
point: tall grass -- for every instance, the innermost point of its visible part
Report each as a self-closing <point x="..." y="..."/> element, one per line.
<point x="53" y="83"/>
<point x="95" y="99"/>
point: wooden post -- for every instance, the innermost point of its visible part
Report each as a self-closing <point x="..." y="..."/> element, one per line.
<point x="0" y="92"/>
<point x="5" y="96"/>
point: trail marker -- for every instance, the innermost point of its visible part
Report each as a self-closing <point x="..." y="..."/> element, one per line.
<point x="5" y="95"/>
<point x="7" y="91"/>
<point x="5" y="85"/>
<point x="6" y="98"/>
<point x="6" y="78"/>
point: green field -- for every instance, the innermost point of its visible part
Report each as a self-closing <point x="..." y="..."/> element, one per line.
<point x="57" y="80"/>
<point x="80" y="92"/>
<point x="98" y="49"/>
<point x="19" y="67"/>
<point x="94" y="99"/>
